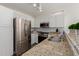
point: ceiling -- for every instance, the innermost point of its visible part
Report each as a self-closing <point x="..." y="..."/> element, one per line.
<point x="29" y="9"/>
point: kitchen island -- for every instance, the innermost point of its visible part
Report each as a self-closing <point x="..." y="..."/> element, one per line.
<point x="50" y="48"/>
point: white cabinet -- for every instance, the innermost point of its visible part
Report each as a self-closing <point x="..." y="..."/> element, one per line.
<point x="59" y="21"/>
<point x="6" y="31"/>
<point x="34" y="38"/>
<point x="6" y="41"/>
<point x="6" y="16"/>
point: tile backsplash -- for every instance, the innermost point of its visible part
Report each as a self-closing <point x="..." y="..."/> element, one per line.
<point x="50" y="29"/>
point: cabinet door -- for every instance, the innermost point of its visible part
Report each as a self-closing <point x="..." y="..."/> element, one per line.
<point x="34" y="38"/>
<point x="6" y="16"/>
<point x="59" y="20"/>
<point x="6" y="41"/>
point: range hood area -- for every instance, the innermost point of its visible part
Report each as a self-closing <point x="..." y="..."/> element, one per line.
<point x="44" y="24"/>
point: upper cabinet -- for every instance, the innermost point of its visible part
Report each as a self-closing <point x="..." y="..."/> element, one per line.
<point x="54" y="20"/>
<point x="6" y="16"/>
<point x="59" y="20"/>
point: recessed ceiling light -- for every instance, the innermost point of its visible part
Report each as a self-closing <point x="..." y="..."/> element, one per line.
<point x="41" y="10"/>
<point x="34" y="4"/>
<point x="38" y="6"/>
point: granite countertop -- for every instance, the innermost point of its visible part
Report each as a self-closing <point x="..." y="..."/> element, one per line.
<point x="74" y="38"/>
<point x="50" y="48"/>
<point x="75" y="41"/>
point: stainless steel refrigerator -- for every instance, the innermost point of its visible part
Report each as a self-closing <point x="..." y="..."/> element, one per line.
<point x="22" y="36"/>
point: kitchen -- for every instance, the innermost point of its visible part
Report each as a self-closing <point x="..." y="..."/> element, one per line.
<point x="45" y="29"/>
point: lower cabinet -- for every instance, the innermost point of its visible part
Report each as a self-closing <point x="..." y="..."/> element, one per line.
<point x="34" y="38"/>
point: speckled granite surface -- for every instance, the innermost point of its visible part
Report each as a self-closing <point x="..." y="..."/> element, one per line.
<point x="74" y="39"/>
<point x="50" y="48"/>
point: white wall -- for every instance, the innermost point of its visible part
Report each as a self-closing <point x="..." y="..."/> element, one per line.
<point x="71" y="16"/>
<point x="54" y="20"/>
<point x="6" y="29"/>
